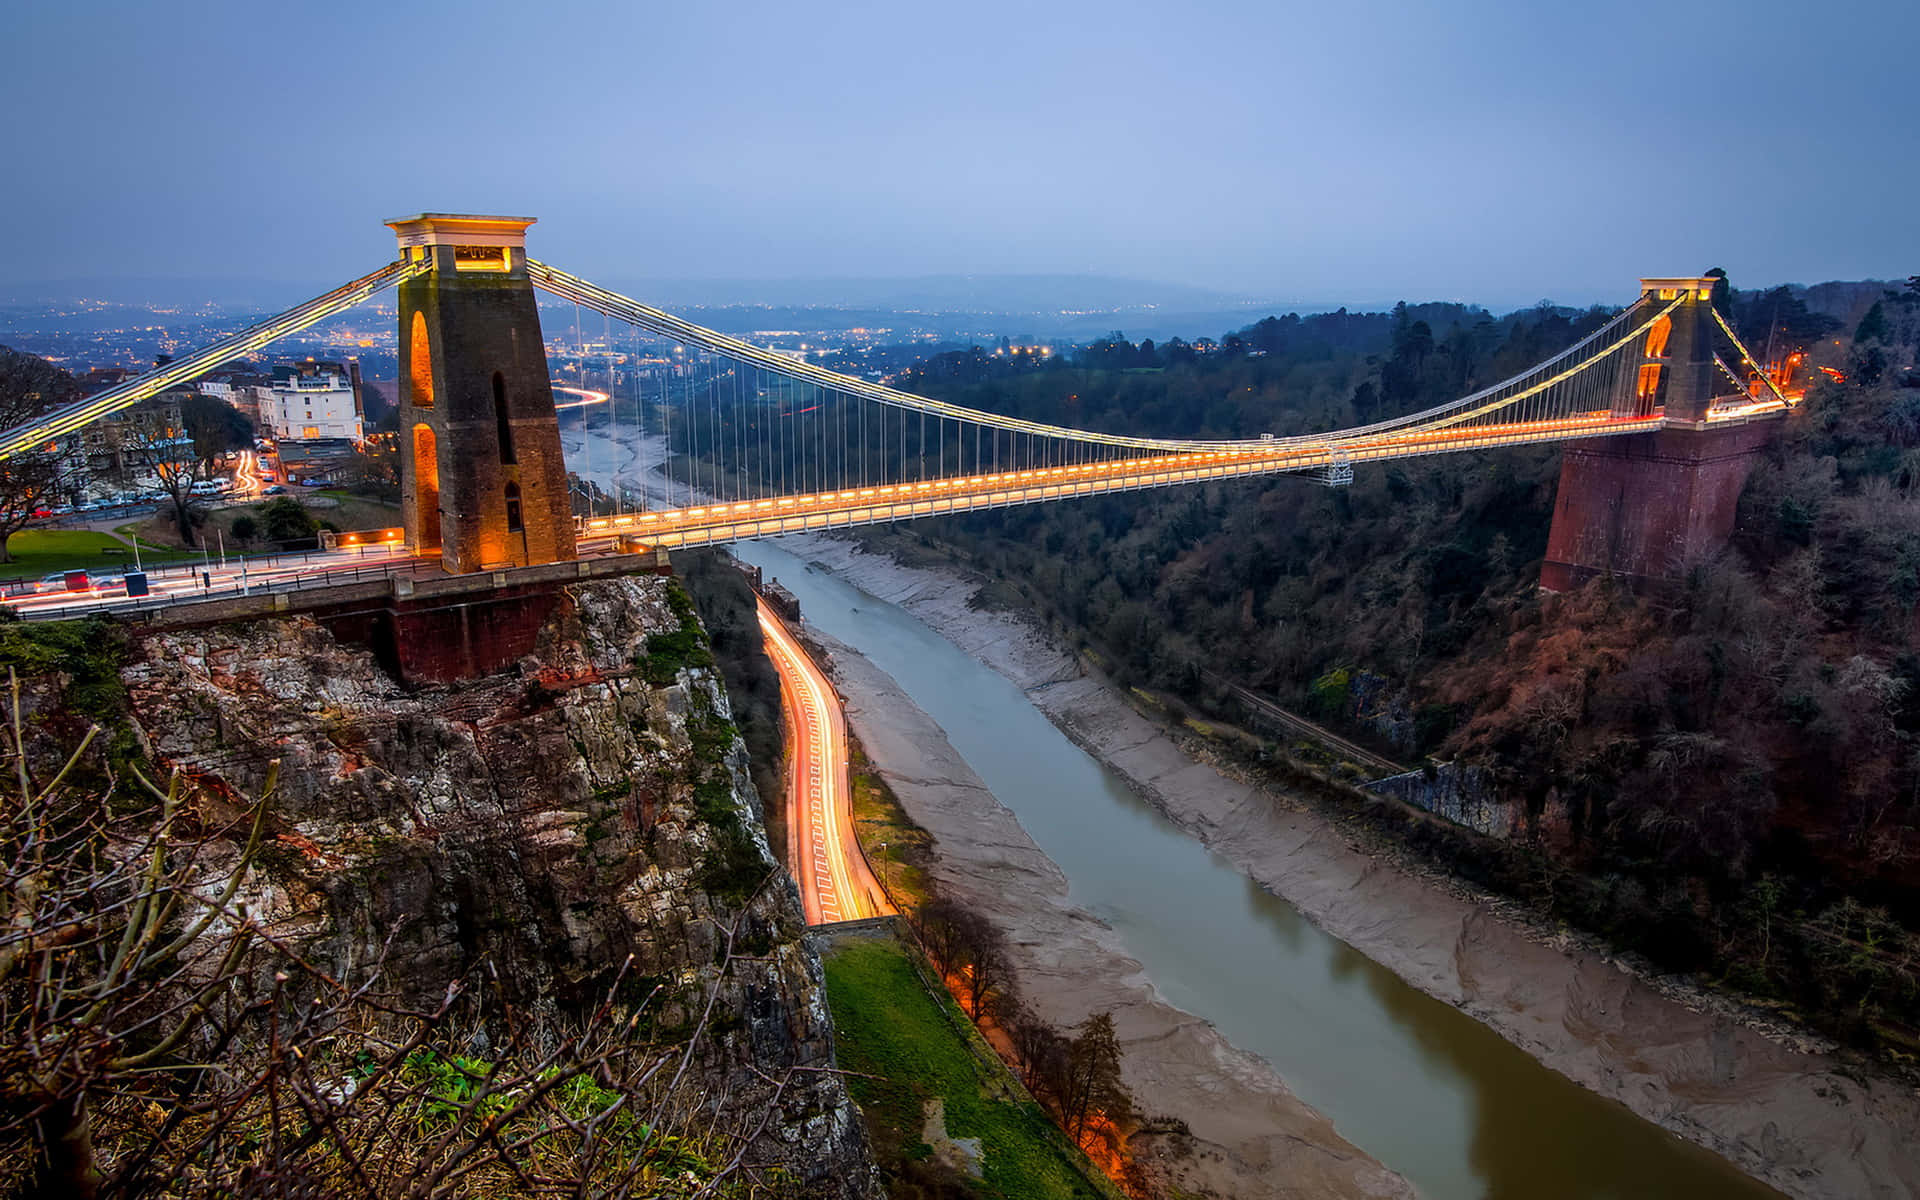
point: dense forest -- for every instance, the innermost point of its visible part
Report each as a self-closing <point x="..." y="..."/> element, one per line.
<point x="1721" y="773"/>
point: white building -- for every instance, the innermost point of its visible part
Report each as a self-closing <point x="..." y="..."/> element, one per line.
<point x="311" y="402"/>
<point x="241" y="389"/>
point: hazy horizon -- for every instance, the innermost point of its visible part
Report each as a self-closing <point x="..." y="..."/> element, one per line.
<point x="988" y="294"/>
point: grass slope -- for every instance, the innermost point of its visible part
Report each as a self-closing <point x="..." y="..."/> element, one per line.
<point x="906" y="1051"/>
<point x="38" y="552"/>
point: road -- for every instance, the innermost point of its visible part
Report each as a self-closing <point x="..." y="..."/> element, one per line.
<point x="835" y="884"/>
<point x="247" y="483"/>
<point x="213" y="577"/>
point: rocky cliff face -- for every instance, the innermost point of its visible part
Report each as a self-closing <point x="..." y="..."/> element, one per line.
<point x="1464" y="795"/>
<point x="542" y="824"/>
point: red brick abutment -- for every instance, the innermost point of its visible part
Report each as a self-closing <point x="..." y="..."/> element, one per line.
<point x="1644" y="505"/>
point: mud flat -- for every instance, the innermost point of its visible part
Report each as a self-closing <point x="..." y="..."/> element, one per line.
<point x="1779" y="1106"/>
<point x="1250" y="1136"/>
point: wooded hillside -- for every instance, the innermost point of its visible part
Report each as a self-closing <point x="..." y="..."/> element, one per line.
<point x="1721" y="773"/>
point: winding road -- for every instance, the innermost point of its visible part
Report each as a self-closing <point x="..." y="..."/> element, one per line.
<point x="835" y="883"/>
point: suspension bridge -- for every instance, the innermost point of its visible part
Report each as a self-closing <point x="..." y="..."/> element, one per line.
<point x="761" y="443"/>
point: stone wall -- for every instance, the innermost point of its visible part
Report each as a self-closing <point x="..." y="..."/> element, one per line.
<point x="1463" y="795"/>
<point x="540" y="821"/>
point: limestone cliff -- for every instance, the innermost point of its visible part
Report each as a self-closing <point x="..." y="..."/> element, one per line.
<point x="544" y="823"/>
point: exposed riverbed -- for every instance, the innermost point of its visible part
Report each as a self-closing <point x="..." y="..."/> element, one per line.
<point x="1401" y="1070"/>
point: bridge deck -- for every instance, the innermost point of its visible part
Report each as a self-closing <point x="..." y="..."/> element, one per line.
<point x="771" y="517"/>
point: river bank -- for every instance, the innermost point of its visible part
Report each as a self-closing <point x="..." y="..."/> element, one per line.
<point x="1249" y="1135"/>
<point x="1802" y="1119"/>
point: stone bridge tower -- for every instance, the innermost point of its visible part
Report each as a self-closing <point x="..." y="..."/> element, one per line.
<point x="1642" y="505"/>
<point x="482" y="481"/>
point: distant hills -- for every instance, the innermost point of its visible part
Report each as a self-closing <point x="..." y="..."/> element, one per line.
<point x="1077" y="307"/>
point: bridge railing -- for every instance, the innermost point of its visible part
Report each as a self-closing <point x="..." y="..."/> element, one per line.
<point x="272" y="580"/>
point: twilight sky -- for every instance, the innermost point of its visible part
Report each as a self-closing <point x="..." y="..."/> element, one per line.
<point x="1480" y="149"/>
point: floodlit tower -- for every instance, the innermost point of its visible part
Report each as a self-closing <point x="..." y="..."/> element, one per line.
<point x="1676" y="372"/>
<point x="1643" y="506"/>
<point x="482" y="480"/>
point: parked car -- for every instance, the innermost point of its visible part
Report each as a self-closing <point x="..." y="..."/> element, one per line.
<point x="276" y="490"/>
<point x="61" y="581"/>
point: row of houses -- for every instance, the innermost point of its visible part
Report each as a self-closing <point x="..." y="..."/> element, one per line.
<point x="120" y="454"/>
<point x="312" y="410"/>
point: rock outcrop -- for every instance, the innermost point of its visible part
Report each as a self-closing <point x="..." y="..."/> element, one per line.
<point x="538" y="826"/>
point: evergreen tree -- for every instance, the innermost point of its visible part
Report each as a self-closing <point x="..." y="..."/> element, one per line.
<point x="1873" y="326"/>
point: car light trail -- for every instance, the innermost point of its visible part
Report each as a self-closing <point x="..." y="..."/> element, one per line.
<point x="587" y="396"/>
<point x="835" y="884"/>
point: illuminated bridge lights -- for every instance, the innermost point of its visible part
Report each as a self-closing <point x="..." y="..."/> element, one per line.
<point x="1532" y="406"/>
<point x="703" y="524"/>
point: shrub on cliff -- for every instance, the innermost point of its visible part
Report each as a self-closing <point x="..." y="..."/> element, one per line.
<point x="727" y="610"/>
<point x="157" y="1039"/>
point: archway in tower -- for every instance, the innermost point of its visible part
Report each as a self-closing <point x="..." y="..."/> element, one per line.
<point x="426" y="488"/>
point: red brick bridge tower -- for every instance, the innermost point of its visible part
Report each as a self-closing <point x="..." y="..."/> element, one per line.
<point x="1641" y="506"/>
<point x="481" y="477"/>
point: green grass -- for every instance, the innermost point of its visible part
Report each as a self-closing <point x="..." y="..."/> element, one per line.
<point x="878" y="820"/>
<point x="356" y="512"/>
<point x="907" y="1052"/>
<point x="353" y="513"/>
<point x="148" y="546"/>
<point x="38" y="552"/>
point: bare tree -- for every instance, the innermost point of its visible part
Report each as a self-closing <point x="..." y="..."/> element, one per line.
<point x="1040" y="1050"/>
<point x="938" y="924"/>
<point x="376" y="468"/>
<point x="157" y="445"/>
<point x="1090" y="1085"/>
<point x="157" y="1039"/>
<point x="92" y="953"/>
<point x="986" y="975"/>
<point x="31" y="480"/>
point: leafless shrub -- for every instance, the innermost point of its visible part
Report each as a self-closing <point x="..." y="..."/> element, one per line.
<point x="158" y="1038"/>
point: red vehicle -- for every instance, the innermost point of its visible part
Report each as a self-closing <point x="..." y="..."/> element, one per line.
<point x="64" y="581"/>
